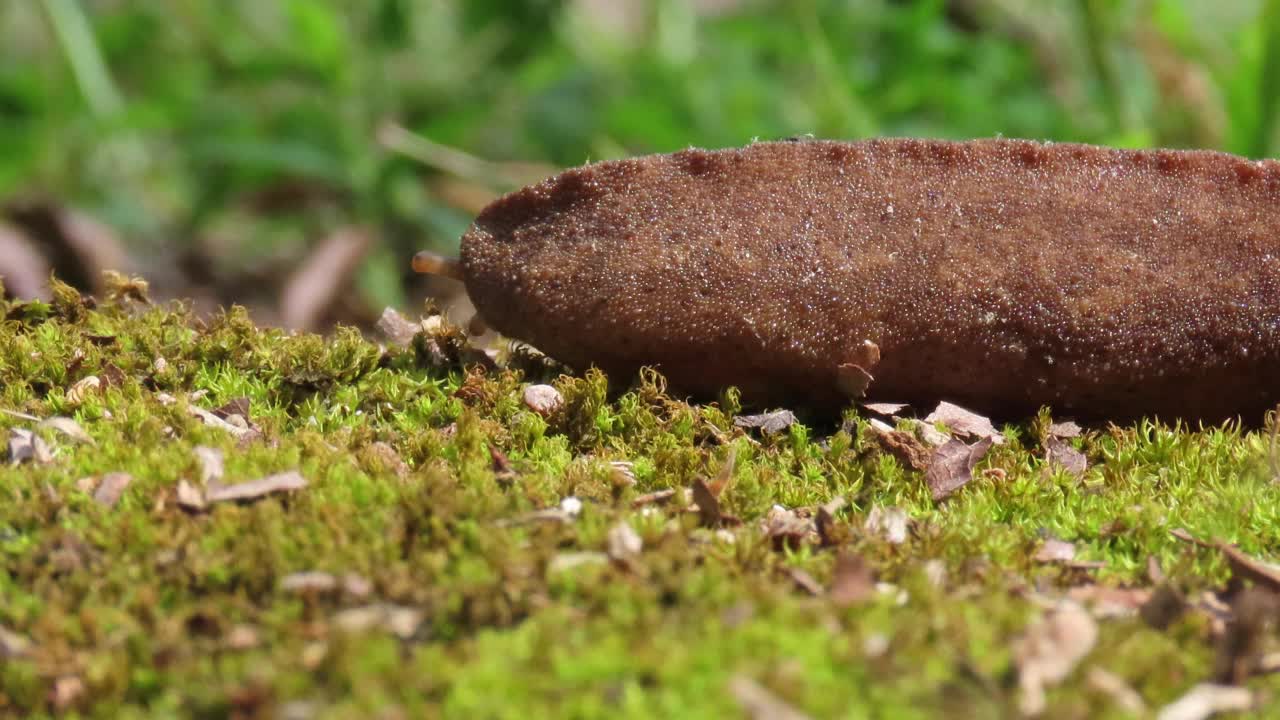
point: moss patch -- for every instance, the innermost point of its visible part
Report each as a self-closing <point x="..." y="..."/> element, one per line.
<point x="510" y="608"/>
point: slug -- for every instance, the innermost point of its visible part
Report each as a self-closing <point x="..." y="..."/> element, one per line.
<point x="1004" y="275"/>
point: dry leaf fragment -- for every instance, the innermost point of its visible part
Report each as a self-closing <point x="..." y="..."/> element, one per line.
<point x="903" y="446"/>
<point x="854" y="377"/>
<point x="26" y="446"/>
<point x="571" y="561"/>
<point x="653" y="498"/>
<point x="255" y="489"/>
<point x="888" y="523"/>
<point x="189" y="497"/>
<point x="930" y="435"/>
<point x="964" y="422"/>
<point x="770" y="423"/>
<point x="12" y="645"/>
<point x="886" y="409"/>
<point x="852" y="580"/>
<point x="1164" y="606"/>
<point x="503" y="471"/>
<point x="543" y="399"/>
<point x="1055" y="551"/>
<point x="396" y="328"/>
<point x="825" y="521"/>
<point x="309" y="583"/>
<point x="804" y="581"/>
<point x="242" y="637"/>
<point x="66" y="691"/>
<point x="707" y="502"/>
<point x="212" y="420"/>
<point x="67" y="427"/>
<point x="624" y="542"/>
<point x="111" y="488"/>
<point x="1051" y="648"/>
<point x="1063" y="430"/>
<point x="1118" y="690"/>
<point x="1206" y="700"/>
<point x="211" y="465"/>
<point x="83" y="388"/>
<point x="1060" y="454"/>
<point x="232" y="408"/>
<point x="785" y="529"/>
<point x="398" y="620"/>
<point x="759" y="703"/>
<point x="952" y="466"/>
<point x="1110" y="602"/>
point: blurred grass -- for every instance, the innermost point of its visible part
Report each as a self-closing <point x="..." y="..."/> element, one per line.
<point x="243" y="127"/>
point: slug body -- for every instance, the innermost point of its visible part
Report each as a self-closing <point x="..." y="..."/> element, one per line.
<point x="1004" y="275"/>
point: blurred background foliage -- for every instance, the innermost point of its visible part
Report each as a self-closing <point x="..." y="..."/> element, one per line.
<point x="224" y="144"/>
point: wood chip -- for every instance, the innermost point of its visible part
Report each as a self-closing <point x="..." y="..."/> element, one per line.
<point x="256" y="489"/>
<point x="952" y="466"/>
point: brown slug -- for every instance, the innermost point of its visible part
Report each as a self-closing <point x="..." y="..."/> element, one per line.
<point x="1004" y="275"/>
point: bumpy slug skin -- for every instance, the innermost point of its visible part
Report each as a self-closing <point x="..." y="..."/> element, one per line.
<point x="999" y="274"/>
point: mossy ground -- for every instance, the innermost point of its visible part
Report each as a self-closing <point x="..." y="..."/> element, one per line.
<point x="138" y="603"/>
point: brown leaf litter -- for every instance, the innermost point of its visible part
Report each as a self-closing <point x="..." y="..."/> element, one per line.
<point x="706" y="495"/>
<point x="1050" y="649"/>
<point x="852" y="580"/>
<point x="111" y="488"/>
<point x="27" y="446"/>
<point x="964" y="423"/>
<point x="1206" y="700"/>
<point x="770" y="423"/>
<point x="891" y="524"/>
<point x="952" y="466"/>
<point x="1059" y="453"/>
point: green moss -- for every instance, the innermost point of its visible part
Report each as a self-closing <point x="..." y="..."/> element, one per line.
<point x="141" y="601"/>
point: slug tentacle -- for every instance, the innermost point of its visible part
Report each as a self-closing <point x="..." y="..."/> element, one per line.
<point x="429" y="263"/>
